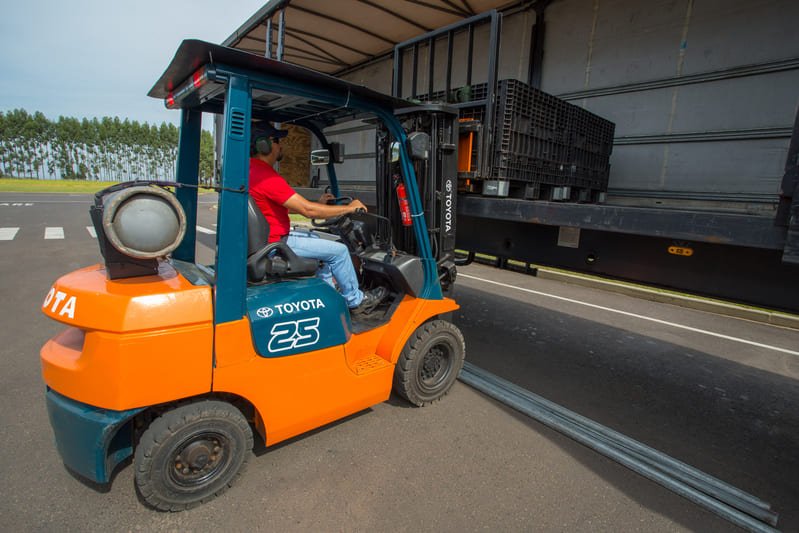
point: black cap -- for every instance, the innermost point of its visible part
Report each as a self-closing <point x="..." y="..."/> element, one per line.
<point x="265" y="129"/>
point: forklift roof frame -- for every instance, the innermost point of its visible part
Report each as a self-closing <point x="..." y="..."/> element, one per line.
<point x="203" y="77"/>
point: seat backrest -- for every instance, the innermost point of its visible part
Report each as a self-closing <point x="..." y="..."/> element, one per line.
<point x="257" y="227"/>
<point x="276" y="259"/>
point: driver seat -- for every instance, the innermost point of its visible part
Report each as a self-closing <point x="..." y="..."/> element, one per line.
<point x="274" y="259"/>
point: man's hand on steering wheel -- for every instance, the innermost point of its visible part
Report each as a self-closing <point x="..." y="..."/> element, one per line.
<point x="357" y="206"/>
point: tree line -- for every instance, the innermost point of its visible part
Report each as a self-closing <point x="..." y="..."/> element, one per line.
<point x="105" y="149"/>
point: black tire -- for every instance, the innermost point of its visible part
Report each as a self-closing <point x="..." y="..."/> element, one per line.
<point x="429" y="363"/>
<point x="192" y="454"/>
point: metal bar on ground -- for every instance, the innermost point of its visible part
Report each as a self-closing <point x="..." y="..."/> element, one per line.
<point x="477" y="379"/>
<point x="651" y="454"/>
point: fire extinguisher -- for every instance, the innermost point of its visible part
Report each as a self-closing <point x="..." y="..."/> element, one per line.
<point x="404" y="208"/>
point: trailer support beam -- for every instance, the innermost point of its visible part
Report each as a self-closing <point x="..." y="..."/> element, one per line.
<point x="788" y="209"/>
<point x="537" y="46"/>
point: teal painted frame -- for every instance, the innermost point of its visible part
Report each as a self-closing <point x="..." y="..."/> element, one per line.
<point x="231" y="279"/>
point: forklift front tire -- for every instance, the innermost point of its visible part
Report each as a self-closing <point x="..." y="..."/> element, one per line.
<point x="430" y="362"/>
<point x="191" y="454"/>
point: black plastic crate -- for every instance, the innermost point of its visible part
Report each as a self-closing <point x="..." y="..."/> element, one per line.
<point x="473" y="113"/>
<point x="520" y="168"/>
<point x="539" y="138"/>
<point x="591" y="132"/>
<point x="525" y="109"/>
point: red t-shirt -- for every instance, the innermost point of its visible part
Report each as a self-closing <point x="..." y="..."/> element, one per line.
<point x="270" y="191"/>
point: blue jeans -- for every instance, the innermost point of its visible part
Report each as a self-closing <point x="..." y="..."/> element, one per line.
<point x="336" y="260"/>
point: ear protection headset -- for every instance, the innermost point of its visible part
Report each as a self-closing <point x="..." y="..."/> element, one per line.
<point x="261" y="144"/>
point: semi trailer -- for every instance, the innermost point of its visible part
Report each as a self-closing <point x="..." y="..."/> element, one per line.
<point x="701" y="192"/>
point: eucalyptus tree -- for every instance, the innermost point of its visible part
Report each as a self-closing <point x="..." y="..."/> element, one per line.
<point x="106" y="149"/>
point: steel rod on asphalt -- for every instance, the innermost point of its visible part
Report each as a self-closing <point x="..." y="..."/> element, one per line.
<point x="682" y="472"/>
<point x="623" y="440"/>
<point x="570" y="429"/>
<point x="765" y="515"/>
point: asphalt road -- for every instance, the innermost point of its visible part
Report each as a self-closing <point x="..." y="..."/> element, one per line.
<point x="706" y="395"/>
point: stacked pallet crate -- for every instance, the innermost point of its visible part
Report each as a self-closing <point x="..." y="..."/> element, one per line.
<point x="559" y="151"/>
<point x="542" y="147"/>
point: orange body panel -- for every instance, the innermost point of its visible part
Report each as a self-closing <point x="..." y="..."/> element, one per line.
<point x="402" y="325"/>
<point x="133" y="342"/>
<point x="150" y="340"/>
<point x="91" y="301"/>
<point x="298" y="393"/>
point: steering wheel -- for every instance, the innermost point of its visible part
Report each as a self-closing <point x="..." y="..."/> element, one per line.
<point x="336" y="221"/>
<point x="340" y="200"/>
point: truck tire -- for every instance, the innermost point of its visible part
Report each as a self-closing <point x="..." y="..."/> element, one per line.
<point x="191" y="454"/>
<point x="429" y="363"/>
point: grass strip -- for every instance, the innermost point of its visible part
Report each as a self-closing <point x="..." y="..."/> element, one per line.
<point x="52" y="186"/>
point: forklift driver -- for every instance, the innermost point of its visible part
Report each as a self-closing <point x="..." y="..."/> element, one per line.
<point x="275" y="198"/>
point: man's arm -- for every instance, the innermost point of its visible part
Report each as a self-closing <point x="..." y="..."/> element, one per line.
<point x="298" y="204"/>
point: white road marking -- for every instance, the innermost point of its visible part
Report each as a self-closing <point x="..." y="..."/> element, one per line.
<point x="633" y="315"/>
<point x="206" y="230"/>
<point x="91" y="231"/>
<point x="8" y="234"/>
<point x="53" y="233"/>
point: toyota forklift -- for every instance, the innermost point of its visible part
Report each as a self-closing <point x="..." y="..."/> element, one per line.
<point x="178" y="363"/>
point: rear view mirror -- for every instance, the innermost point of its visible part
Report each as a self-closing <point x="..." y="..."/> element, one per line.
<point x="323" y="157"/>
<point x="320" y="157"/>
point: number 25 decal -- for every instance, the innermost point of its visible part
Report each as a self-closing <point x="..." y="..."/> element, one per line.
<point x="294" y="334"/>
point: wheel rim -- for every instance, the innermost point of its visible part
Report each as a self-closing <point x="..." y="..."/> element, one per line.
<point x="436" y="367"/>
<point x="199" y="459"/>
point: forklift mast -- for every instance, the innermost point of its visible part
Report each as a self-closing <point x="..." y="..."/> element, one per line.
<point x="432" y="131"/>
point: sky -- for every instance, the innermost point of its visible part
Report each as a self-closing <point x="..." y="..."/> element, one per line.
<point x="95" y="58"/>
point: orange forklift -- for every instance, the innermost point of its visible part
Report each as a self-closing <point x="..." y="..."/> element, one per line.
<point x="176" y="363"/>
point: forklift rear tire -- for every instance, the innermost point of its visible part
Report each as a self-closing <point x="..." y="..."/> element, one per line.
<point x="191" y="454"/>
<point x="430" y="362"/>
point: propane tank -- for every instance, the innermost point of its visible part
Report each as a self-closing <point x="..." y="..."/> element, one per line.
<point x="143" y="222"/>
<point x="404" y="208"/>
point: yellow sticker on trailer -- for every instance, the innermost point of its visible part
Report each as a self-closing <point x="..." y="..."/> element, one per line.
<point x="681" y="250"/>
